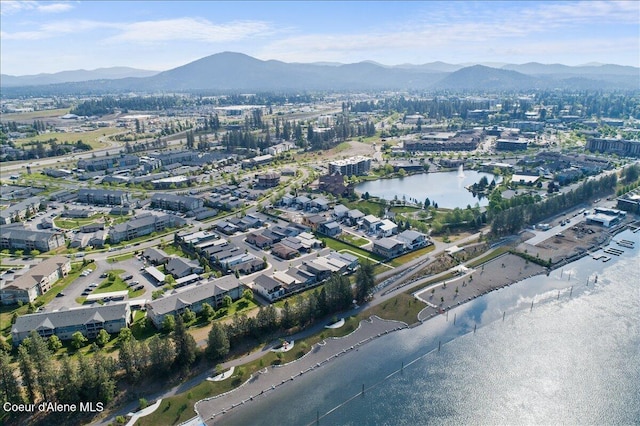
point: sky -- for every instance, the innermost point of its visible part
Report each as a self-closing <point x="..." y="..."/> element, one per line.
<point x="51" y="36"/>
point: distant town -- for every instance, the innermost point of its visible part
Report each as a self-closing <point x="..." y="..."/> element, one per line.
<point x="149" y="238"/>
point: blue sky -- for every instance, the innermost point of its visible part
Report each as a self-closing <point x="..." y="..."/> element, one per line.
<point x="51" y="36"/>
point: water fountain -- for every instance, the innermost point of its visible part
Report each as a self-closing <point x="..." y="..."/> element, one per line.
<point x="461" y="171"/>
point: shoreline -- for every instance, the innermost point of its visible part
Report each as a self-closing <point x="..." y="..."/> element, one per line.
<point x="492" y="275"/>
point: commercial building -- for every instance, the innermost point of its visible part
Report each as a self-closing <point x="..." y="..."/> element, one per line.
<point x="625" y="148"/>
<point x="511" y="145"/>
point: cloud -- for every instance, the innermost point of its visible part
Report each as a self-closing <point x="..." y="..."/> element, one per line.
<point x="54" y="7"/>
<point x="193" y="29"/>
<point x="10" y="7"/>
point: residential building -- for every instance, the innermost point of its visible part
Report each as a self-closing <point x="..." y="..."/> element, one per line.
<point x="413" y="239"/>
<point x="623" y="147"/>
<point x="268" y="180"/>
<point x="155" y="256"/>
<point x="19" y="211"/>
<point x="388" y="247"/>
<point x="268" y="287"/>
<point x="180" y="203"/>
<point x="179" y="267"/>
<point x="16" y="237"/>
<point x="193" y="297"/>
<point x="36" y="281"/>
<point x="144" y="224"/>
<point x="511" y="145"/>
<point x="351" y="166"/>
<point x="330" y="229"/>
<point x="101" y="197"/>
<point x="64" y="323"/>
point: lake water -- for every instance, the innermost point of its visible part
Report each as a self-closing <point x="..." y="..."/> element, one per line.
<point x="573" y="358"/>
<point x="446" y="188"/>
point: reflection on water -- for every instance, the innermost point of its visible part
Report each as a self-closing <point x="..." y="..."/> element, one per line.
<point x="448" y="189"/>
<point x="572" y="358"/>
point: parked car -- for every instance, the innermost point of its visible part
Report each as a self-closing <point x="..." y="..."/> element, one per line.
<point x="140" y="287"/>
<point x="128" y="277"/>
<point x="61" y="294"/>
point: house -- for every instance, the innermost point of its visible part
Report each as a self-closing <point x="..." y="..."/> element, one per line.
<point x="283" y="251"/>
<point x="155" y="256"/>
<point x="268" y="287"/>
<point x="179" y="267"/>
<point x="350" y="260"/>
<point x="354" y="216"/>
<point x="313" y="221"/>
<point x="302" y="202"/>
<point x="370" y="223"/>
<point x="64" y="323"/>
<point x="226" y="227"/>
<point x="340" y="211"/>
<point x="387" y="228"/>
<point x="287" y="200"/>
<point x="388" y="247"/>
<point x="413" y="239"/>
<point x="193" y="297"/>
<point x="330" y="229"/>
<point x="259" y="240"/>
<point x="36" y="281"/>
<point x="320" y="204"/>
<point x="304" y="278"/>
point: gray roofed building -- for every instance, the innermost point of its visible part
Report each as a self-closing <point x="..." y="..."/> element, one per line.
<point x="36" y="281"/>
<point x="155" y="256"/>
<point x="176" y="202"/>
<point x="211" y="292"/>
<point x="179" y="267"/>
<point x="88" y="321"/>
<point x="19" y="211"/>
<point x="268" y="287"/>
<point x="17" y="237"/>
<point x="144" y="224"/>
<point x="103" y="197"/>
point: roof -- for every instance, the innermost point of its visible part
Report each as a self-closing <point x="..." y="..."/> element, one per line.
<point x="34" y="275"/>
<point x="155" y="273"/>
<point x="387" y="243"/>
<point x="71" y="317"/>
<point x="410" y="235"/>
<point x="193" y="294"/>
<point x="27" y="234"/>
<point x="355" y="214"/>
<point x="266" y="282"/>
<point x="155" y="255"/>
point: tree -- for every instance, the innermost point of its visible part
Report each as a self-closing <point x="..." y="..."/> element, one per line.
<point x="218" y="342"/>
<point x="188" y="315"/>
<point x="247" y="295"/>
<point x="186" y="347"/>
<point x="227" y="301"/>
<point x="207" y="312"/>
<point x="68" y="386"/>
<point x="9" y="385"/>
<point x="168" y="324"/>
<point x="78" y="340"/>
<point x="124" y="335"/>
<point x="54" y="343"/>
<point x="162" y="354"/>
<point x="365" y="281"/>
<point x="27" y="372"/>
<point x="103" y="338"/>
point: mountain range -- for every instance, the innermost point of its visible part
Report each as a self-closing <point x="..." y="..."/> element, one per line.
<point x="229" y="71"/>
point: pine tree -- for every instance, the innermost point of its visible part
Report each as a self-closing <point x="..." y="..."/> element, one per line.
<point x="186" y="347"/>
<point x="218" y="343"/>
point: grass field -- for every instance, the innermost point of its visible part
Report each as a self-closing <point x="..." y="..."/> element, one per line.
<point x="89" y="137"/>
<point x="24" y="116"/>
<point x="353" y="239"/>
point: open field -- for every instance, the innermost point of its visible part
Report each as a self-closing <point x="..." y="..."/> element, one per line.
<point x="89" y="137"/>
<point x="22" y="117"/>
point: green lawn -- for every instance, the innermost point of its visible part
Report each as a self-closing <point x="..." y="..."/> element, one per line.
<point x="353" y="239"/>
<point x="340" y="246"/>
<point x="398" y="261"/>
<point x="70" y="223"/>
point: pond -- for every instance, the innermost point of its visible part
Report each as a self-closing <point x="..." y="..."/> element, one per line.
<point x="448" y="189"/>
